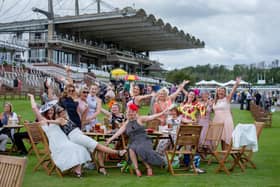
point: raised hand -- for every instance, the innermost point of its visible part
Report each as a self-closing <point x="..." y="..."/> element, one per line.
<point x="181" y="86"/>
<point x="67" y="69"/>
<point x="238" y="79"/>
<point x="30" y="95"/>
<point x="186" y="82"/>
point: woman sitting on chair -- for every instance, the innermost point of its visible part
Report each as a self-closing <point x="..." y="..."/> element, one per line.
<point x="116" y="118"/>
<point x="77" y="136"/>
<point x="8" y="116"/>
<point x="65" y="154"/>
<point x="140" y="144"/>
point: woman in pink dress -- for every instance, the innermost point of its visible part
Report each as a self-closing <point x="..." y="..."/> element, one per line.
<point x="164" y="100"/>
<point x="222" y="112"/>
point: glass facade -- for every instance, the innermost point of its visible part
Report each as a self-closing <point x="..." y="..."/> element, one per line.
<point x="61" y="57"/>
<point x="37" y="55"/>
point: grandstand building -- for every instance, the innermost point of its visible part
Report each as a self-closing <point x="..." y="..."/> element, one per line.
<point x="104" y="40"/>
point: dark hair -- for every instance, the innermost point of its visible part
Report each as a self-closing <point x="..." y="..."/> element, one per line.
<point x="176" y="110"/>
<point x="194" y="100"/>
<point x="45" y="114"/>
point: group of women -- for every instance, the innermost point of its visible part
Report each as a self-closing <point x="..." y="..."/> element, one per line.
<point x="75" y="112"/>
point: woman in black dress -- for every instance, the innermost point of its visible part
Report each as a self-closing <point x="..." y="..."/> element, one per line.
<point x="139" y="143"/>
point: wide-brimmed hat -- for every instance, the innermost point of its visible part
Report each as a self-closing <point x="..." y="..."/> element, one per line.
<point x="47" y="106"/>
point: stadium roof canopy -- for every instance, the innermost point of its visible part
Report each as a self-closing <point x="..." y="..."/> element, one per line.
<point x="128" y="28"/>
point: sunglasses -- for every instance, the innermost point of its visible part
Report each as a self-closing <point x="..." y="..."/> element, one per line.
<point x="85" y="92"/>
<point x="60" y="111"/>
<point x="71" y="90"/>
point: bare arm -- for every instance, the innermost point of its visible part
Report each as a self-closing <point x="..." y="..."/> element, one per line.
<point x="144" y="119"/>
<point x="98" y="108"/>
<point x="58" y="121"/>
<point x="34" y="107"/>
<point x="51" y="94"/>
<point x="68" y="75"/>
<point x="83" y="118"/>
<point x="139" y="98"/>
<point x="238" y="79"/>
<point x="180" y="88"/>
<point x="106" y="112"/>
<point x="185" y="92"/>
<point x="117" y="134"/>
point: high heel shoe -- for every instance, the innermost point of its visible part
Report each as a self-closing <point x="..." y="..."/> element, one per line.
<point x="138" y="172"/>
<point x="121" y="153"/>
<point x="102" y="171"/>
<point x="77" y="174"/>
<point x="149" y="172"/>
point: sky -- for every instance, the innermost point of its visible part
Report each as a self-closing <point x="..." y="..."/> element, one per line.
<point x="235" y="31"/>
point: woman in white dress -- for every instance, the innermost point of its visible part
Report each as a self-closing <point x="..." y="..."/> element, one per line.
<point x="65" y="154"/>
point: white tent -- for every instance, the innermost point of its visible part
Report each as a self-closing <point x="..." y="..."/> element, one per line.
<point x="203" y="82"/>
<point x="207" y="83"/>
<point x="213" y="82"/>
<point x="232" y="82"/>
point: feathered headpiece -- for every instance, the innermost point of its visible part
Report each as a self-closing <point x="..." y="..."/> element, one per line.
<point x="133" y="107"/>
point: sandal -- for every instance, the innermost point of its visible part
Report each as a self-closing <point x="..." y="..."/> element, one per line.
<point x="77" y="174"/>
<point x="149" y="172"/>
<point x="138" y="172"/>
<point x="102" y="171"/>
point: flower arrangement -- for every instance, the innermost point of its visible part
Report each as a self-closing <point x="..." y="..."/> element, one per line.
<point x="111" y="103"/>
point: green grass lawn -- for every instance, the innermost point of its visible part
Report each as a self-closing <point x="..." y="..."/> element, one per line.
<point x="266" y="174"/>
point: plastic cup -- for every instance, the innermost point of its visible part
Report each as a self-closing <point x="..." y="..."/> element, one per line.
<point x="97" y="127"/>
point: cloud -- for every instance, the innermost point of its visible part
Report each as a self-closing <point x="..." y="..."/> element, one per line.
<point x="240" y="31"/>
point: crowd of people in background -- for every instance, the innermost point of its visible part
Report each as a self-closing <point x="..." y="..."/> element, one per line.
<point x="264" y="99"/>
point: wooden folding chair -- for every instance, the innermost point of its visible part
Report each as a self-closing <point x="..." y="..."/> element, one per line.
<point x="188" y="138"/>
<point x="12" y="171"/>
<point x="211" y="141"/>
<point x="51" y="165"/>
<point x="222" y="157"/>
<point x="35" y="137"/>
<point x="124" y="141"/>
<point x="153" y="124"/>
<point x="111" y="160"/>
<point x="247" y="155"/>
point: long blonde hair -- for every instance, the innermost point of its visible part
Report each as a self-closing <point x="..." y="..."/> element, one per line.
<point x="64" y="94"/>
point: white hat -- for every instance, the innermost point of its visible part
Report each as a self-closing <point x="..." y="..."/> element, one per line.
<point x="47" y="106"/>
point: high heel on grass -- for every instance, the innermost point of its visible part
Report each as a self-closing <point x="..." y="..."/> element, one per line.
<point x="138" y="172"/>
